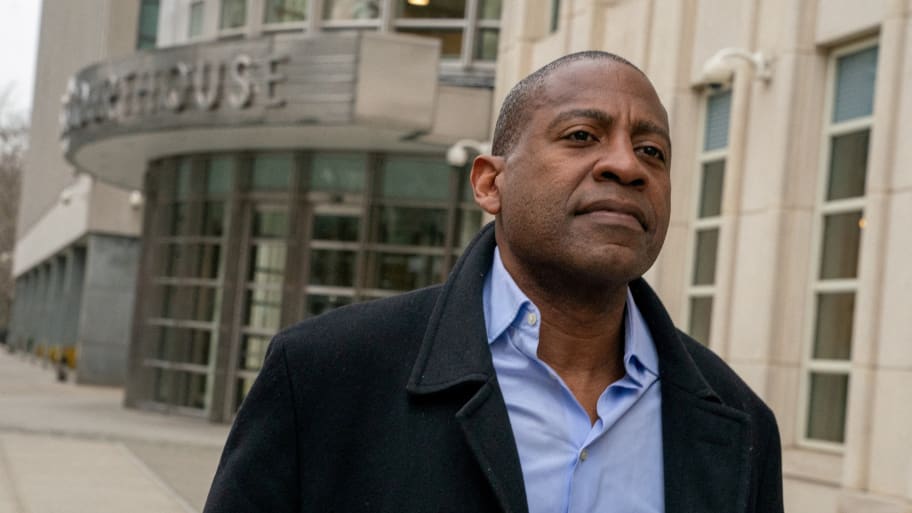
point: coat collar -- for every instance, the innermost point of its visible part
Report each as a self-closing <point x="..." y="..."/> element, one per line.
<point x="700" y="434"/>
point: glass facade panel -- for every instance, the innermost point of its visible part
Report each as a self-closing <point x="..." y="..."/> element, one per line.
<point x="219" y="175"/>
<point x="269" y="223"/>
<point x="410" y="226"/>
<point x="393" y="271"/>
<point x="489" y="9"/>
<point x="332" y="267"/>
<point x="415" y="178"/>
<point x="244" y="384"/>
<point x="284" y="11"/>
<point x="253" y="352"/>
<point x="267" y="263"/>
<point x="704" y="271"/>
<point x="848" y="165"/>
<point x="195" y="25"/>
<point x="469" y="223"/>
<point x="351" y="9"/>
<point x="486" y="45"/>
<point x="711" y="190"/>
<point x="190" y="388"/>
<point x="718" y="114"/>
<point x="180" y="388"/>
<point x="839" y="254"/>
<point x="336" y="227"/>
<point x="263" y="309"/>
<point x="450" y="39"/>
<point x="207" y="260"/>
<point x="148" y="24"/>
<point x="700" y="318"/>
<point x="233" y="14"/>
<point x="338" y="172"/>
<point x="184" y="177"/>
<point x="272" y="172"/>
<point x="213" y="218"/>
<point x="827" y="407"/>
<point x="855" y="76"/>
<point x="833" y="328"/>
<point x="169" y="263"/>
<point x="432" y="9"/>
<point x="181" y="345"/>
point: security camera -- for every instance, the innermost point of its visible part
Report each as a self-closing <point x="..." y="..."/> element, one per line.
<point x="720" y="68"/>
<point x="717" y="72"/>
<point x="458" y="154"/>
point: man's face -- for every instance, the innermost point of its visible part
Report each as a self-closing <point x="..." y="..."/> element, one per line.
<point x="585" y="192"/>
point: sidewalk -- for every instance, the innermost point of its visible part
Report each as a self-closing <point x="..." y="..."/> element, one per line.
<point x="74" y="449"/>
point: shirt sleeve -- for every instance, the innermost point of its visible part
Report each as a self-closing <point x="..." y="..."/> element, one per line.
<point x="258" y="470"/>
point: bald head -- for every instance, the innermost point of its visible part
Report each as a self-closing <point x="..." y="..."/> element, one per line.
<point x="520" y="101"/>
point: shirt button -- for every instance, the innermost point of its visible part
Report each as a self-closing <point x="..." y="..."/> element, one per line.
<point x="584" y="455"/>
<point x="532" y="319"/>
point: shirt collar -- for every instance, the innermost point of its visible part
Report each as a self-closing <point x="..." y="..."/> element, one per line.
<point x="503" y="302"/>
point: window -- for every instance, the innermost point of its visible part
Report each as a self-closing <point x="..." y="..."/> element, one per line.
<point x="182" y="310"/>
<point x="195" y="25"/>
<point x="148" y="24"/>
<point x="284" y="11"/>
<point x="468" y="30"/>
<point x="233" y="14"/>
<point x="240" y="245"/>
<point x="351" y="9"/>
<point x="554" y="21"/>
<point x="839" y="224"/>
<point x="707" y="220"/>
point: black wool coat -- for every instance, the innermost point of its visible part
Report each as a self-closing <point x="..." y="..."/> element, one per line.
<point x="393" y="406"/>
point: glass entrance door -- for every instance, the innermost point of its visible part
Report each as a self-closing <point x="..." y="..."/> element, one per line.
<point x="263" y="264"/>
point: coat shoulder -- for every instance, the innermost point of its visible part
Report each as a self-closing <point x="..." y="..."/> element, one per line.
<point x="387" y="330"/>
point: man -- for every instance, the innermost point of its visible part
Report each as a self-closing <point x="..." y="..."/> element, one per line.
<point x="544" y="376"/>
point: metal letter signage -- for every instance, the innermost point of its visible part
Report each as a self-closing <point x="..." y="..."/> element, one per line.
<point x="153" y="87"/>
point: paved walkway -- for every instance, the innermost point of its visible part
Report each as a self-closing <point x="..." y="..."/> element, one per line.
<point x="74" y="449"/>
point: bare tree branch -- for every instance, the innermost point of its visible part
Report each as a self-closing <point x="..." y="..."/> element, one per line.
<point x="13" y="142"/>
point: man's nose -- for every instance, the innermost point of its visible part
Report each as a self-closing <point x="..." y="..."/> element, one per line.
<point x="618" y="162"/>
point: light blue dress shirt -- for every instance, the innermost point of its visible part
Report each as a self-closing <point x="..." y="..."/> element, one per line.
<point x="570" y="465"/>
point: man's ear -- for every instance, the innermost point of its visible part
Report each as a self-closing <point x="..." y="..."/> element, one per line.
<point x="485" y="170"/>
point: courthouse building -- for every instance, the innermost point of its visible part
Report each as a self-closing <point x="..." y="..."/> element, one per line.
<point x="205" y="172"/>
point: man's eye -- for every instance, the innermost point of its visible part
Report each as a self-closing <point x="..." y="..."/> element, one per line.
<point x="653" y="152"/>
<point x="581" y="135"/>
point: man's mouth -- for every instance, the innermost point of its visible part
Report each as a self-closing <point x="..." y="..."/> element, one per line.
<point x="615" y="212"/>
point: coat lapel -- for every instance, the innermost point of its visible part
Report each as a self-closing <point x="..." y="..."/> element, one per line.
<point x="706" y="443"/>
<point x="454" y="354"/>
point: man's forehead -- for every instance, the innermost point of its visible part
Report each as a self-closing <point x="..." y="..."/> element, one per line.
<point x="598" y="79"/>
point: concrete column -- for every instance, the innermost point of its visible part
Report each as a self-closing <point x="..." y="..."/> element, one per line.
<point x="107" y="306"/>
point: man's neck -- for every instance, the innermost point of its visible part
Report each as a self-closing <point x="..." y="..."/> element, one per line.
<point x="581" y="335"/>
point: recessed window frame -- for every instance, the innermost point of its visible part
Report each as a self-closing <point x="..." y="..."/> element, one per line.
<point x="695" y="291"/>
<point x="816" y="286"/>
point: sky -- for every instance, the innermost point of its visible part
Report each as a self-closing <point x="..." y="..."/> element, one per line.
<point x="19" y="20"/>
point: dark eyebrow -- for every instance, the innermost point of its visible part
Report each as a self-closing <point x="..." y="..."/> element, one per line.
<point x="599" y="116"/>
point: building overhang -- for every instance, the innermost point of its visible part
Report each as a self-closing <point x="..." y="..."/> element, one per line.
<point x="361" y="91"/>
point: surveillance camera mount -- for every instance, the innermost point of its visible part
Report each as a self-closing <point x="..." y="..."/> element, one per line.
<point x="458" y="154"/>
<point x="720" y="68"/>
